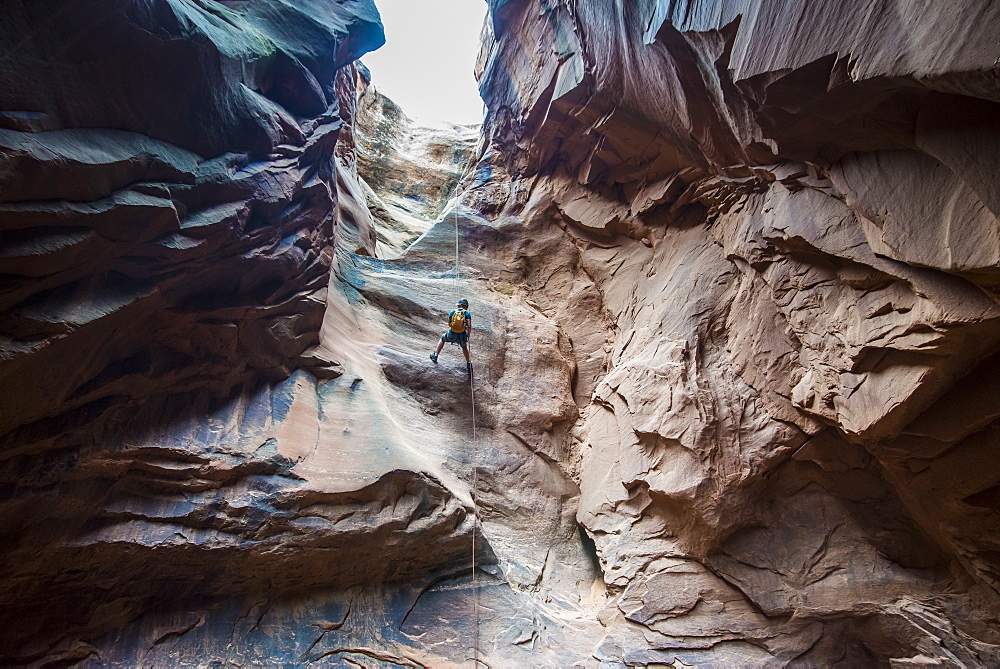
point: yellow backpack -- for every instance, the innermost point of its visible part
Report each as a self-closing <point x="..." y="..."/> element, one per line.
<point x="458" y="320"/>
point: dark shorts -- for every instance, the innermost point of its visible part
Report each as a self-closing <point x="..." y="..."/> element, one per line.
<point x="460" y="338"/>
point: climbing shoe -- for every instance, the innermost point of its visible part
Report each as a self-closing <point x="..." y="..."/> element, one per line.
<point x="434" y="358"/>
<point x="469" y="365"/>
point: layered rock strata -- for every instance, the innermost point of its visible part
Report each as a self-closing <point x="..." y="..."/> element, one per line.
<point x="784" y="216"/>
<point x="734" y="284"/>
<point x="409" y="172"/>
<point x="168" y="224"/>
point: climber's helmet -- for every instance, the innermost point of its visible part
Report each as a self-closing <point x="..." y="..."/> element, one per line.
<point x="463" y="303"/>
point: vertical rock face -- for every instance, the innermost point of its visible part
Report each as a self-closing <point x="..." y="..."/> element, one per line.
<point x="734" y="276"/>
<point x="167" y="226"/>
<point x="417" y="168"/>
<point x="409" y="172"/>
<point x="786" y="217"/>
<point x="174" y="177"/>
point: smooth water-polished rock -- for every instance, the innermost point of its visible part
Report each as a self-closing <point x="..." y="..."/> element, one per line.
<point x="733" y="274"/>
<point x="167" y="226"/>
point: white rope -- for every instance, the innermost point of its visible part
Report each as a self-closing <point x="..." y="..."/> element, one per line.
<point x="475" y="471"/>
<point x="475" y="438"/>
<point x="454" y="216"/>
<point x="475" y="524"/>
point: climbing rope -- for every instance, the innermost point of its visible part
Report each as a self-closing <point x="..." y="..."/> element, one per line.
<point x="475" y="523"/>
<point x="475" y="479"/>
<point x="469" y="162"/>
<point x="475" y="439"/>
<point x="454" y="217"/>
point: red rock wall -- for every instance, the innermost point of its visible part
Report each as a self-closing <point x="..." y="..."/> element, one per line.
<point x="167" y="225"/>
<point x="733" y="271"/>
<point x="783" y="212"/>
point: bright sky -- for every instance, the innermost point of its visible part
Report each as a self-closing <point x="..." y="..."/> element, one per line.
<point x="427" y="63"/>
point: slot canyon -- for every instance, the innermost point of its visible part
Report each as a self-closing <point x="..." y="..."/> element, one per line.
<point x="734" y="271"/>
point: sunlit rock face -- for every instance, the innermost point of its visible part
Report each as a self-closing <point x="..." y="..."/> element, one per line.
<point x="784" y="216"/>
<point x="222" y="439"/>
<point x="733" y="278"/>
<point x="409" y="172"/>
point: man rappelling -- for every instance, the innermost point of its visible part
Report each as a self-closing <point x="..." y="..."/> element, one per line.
<point x="460" y="322"/>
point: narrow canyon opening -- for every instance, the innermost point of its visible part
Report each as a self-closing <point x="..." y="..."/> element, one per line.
<point x="734" y="282"/>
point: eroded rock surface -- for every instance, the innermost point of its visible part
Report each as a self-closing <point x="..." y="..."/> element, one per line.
<point x="408" y="172"/>
<point x="781" y="215"/>
<point x="733" y="269"/>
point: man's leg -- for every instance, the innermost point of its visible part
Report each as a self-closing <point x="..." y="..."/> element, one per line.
<point x="465" y="350"/>
<point x="435" y="354"/>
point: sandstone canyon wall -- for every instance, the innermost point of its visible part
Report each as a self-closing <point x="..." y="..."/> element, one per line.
<point x="409" y="172"/>
<point x="734" y="272"/>
<point x="786" y="213"/>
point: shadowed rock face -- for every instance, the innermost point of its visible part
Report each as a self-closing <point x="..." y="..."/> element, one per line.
<point x="733" y="272"/>
<point x="167" y="226"/>
<point x="178" y="232"/>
